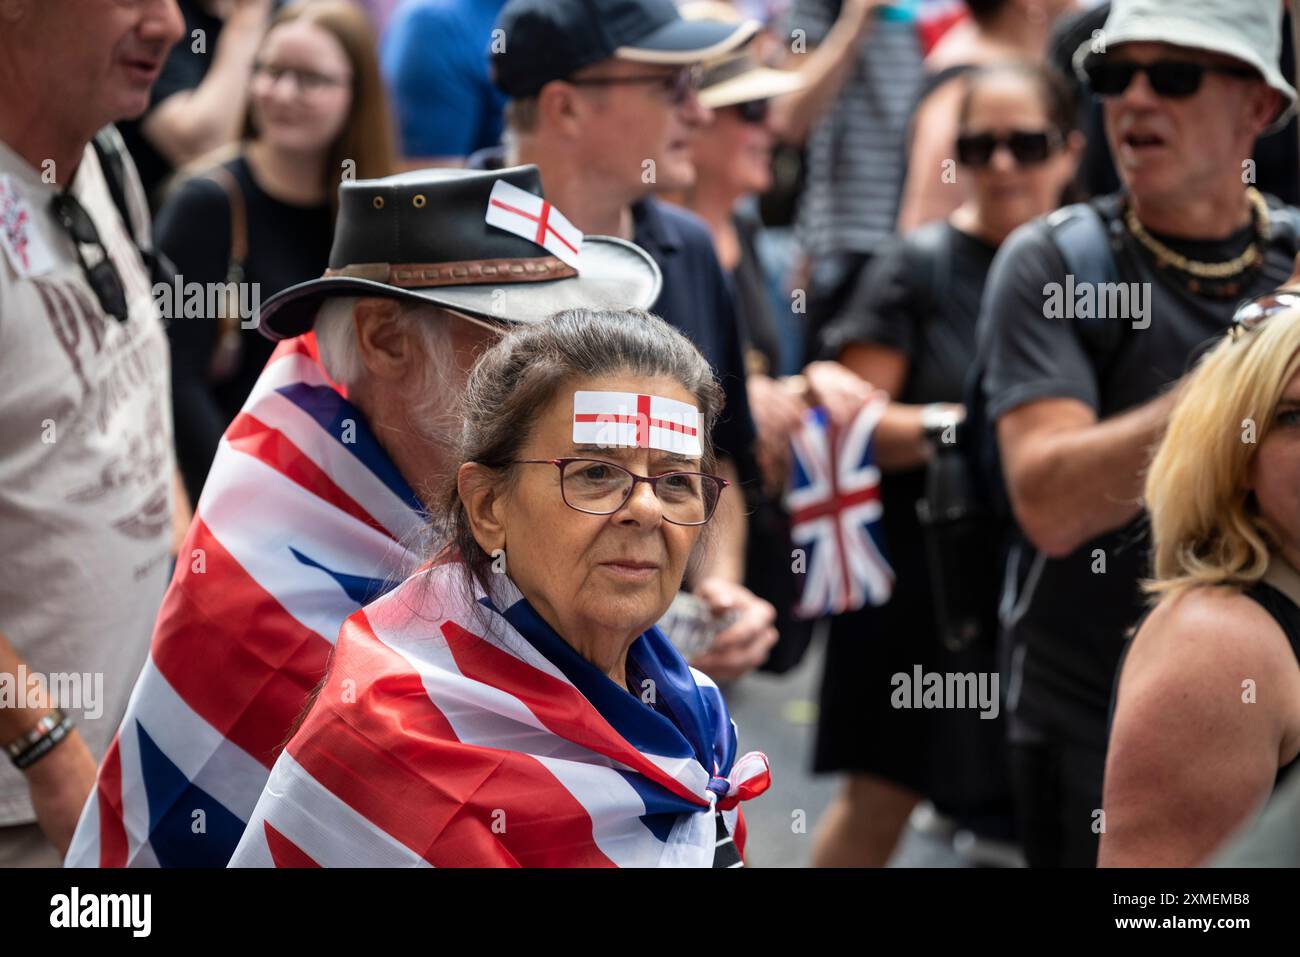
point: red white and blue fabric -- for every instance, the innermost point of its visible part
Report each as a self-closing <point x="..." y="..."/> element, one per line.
<point x="461" y="730"/>
<point x="303" y="519"/>
<point x="833" y="498"/>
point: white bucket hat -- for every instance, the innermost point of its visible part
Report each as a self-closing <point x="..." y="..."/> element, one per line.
<point x="1246" y="30"/>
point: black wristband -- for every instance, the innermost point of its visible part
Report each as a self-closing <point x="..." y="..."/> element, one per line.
<point x="43" y="745"/>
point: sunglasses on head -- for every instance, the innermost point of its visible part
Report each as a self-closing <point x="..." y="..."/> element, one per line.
<point x="1109" y="76"/>
<point x="1028" y="147"/>
<point x="1250" y="315"/>
<point x="752" y="111"/>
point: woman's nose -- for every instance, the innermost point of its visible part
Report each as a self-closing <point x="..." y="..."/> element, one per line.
<point x="642" y="506"/>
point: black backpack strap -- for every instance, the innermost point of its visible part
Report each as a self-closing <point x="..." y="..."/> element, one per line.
<point x="1284" y="224"/>
<point x="1087" y="242"/>
<point x="111" y="150"/>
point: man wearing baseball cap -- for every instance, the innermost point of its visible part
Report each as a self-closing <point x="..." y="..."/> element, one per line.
<point x="1080" y="390"/>
<point x="603" y="100"/>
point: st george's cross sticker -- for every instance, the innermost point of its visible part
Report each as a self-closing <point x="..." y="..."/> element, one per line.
<point x="520" y="212"/>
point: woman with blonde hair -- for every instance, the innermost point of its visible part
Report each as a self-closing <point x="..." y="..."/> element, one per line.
<point x="1206" y="719"/>
<point x="258" y="217"/>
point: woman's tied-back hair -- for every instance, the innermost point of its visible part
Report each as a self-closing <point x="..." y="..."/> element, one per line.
<point x="1205" y="524"/>
<point x="524" y="371"/>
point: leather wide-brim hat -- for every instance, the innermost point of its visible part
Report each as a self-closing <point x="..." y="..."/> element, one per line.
<point x="1246" y="30"/>
<point x="480" y="242"/>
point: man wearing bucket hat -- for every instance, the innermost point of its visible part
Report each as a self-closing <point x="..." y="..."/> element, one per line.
<point x="316" y="499"/>
<point x="603" y="100"/>
<point x="1089" y="317"/>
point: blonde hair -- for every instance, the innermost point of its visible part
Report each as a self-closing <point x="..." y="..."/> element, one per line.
<point x="1205" y="525"/>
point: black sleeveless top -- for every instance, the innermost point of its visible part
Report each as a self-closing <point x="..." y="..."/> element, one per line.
<point x="1283" y="610"/>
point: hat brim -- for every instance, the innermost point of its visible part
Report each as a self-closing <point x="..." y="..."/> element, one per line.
<point x="689" y="41"/>
<point x="614" y="274"/>
<point x="760" y="83"/>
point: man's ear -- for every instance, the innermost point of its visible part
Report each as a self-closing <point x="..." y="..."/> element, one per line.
<point x="382" y="341"/>
<point x="560" y="107"/>
<point x="479" y="490"/>
<point x="1266" y="103"/>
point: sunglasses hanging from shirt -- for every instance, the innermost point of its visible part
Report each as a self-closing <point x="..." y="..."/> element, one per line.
<point x="1027" y="147"/>
<point x="100" y="272"/>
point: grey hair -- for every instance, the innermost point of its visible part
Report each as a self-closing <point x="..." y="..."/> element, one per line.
<point x="336" y="337"/>
<point x="520" y="375"/>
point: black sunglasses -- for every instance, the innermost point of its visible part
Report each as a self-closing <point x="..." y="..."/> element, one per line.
<point x="1174" y="78"/>
<point x="753" y="111"/>
<point x="103" y="276"/>
<point x="679" y="85"/>
<point x="1028" y="147"/>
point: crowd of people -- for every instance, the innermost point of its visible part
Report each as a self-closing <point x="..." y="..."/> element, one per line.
<point x="338" y="338"/>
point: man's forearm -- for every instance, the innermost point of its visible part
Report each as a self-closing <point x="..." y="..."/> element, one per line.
<point x="824" y="71"/>
<point x="188" y="124"/>
<point x="1082" y="482"/>
<point x="15" y="721"/>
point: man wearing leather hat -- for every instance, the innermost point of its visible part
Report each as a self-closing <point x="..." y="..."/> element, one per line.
<point x="315" y="502"/>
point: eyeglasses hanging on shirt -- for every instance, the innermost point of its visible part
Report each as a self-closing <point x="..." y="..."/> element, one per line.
<point x="99" y="271"/>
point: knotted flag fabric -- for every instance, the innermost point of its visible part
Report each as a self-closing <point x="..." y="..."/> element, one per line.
<point x="458" y="729"/>
<point x="303" y="519"/>
<point x="834" y="503"/>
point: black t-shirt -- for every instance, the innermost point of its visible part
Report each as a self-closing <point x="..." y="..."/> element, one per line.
<point x="184" y="70"/>
<point x="286" y="245"/>
<point x="921" y="296"/>
<point x="697" y="301"/>
<point x="752" y="306"/>
<point x="1069" y="623"/>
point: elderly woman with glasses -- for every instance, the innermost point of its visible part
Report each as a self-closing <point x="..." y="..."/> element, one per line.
<point x="513" y="703"/>
<point x="1206" y="712"/>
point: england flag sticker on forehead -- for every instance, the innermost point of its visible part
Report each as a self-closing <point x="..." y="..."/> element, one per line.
<point x="630" y="419"/>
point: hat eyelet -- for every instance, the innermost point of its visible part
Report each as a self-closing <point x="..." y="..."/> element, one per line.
<point x="418" y="201"/>
<point x="378" y="202"/>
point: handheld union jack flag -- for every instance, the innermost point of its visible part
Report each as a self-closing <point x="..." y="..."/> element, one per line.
<point x="835" y="508"/>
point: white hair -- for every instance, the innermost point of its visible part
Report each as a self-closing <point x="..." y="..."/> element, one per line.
<point x="431" y="398"/>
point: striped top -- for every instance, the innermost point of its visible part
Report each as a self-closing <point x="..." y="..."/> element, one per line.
<point x="855" y="156"/>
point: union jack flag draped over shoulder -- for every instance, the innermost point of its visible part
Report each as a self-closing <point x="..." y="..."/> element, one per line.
<point x="458" y="729"/>
<point x="835" y="509"/>
<point x="303" y="519"/>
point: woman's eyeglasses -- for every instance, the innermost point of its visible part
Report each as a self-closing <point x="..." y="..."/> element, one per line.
<point x="753" y="111"/>
<point x="1027" y="147"/>
<point x="104" y="279"/>
<point x="678" y="85"/>
<point x="1109" y="76"/>
<point x="603" y="488"/>
<point x="1253" y="314"/>
<point x="305" y="81"/>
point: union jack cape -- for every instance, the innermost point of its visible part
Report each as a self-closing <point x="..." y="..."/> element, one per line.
<point x="834" y="503"/>
<point x="302" y="520"/>
<point x="458" y="729"/>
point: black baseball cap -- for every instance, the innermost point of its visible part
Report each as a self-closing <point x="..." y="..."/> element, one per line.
<point x="545" y="40"/>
